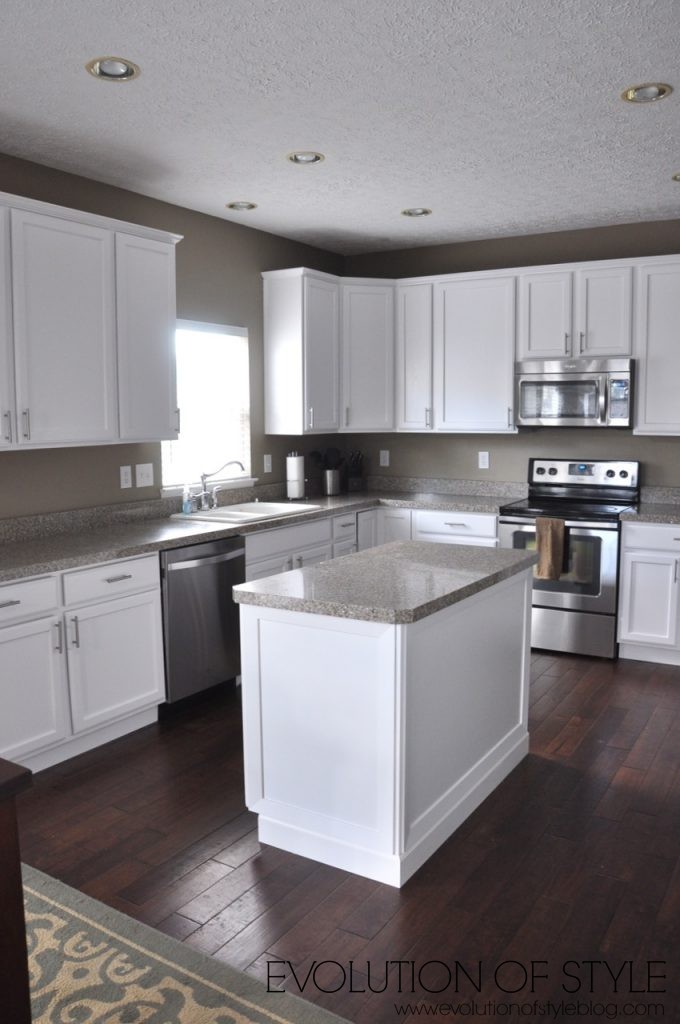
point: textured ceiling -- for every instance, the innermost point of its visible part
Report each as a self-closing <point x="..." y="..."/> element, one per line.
<point x="504" y="117"/>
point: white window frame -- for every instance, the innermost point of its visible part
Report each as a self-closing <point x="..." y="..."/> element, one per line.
<point x="229" y="483"/>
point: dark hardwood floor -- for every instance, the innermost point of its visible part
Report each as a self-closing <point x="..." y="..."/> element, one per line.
<point x="575" y="857"/>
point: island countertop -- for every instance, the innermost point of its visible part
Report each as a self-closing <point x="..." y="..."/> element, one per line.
<point x="395" y="583"/>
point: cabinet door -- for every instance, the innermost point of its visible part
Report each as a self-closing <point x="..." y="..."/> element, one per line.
<point x="545" y="315"/>
<point x="394" y="524"/>
<point x="321" y="360"/>
<point x="7" y="418"/>
<point x="474" y="335"/>
<point x="33" y="691"/>
<point x="312" y="556"/>
<point x="146" y="316"/>
<point x="658" y="349"/>
<point x="413" y="357"/>
<point x="367" y="529"/>
<point x="344" y="547"/>
<point x="115" y="659"/>
<point x="64" y="330"/>
<point x="649" y="598"/>
<point x="264" y="567"/>
<point x="368" y="357"/>
<point x="604" y="311"/>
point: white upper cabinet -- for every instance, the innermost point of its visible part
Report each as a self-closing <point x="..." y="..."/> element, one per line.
<point x="658" y="348"/>
<point x="413" y="356"/>
<point x="367" y="356"/>
<point x="145" y="304"/>
<point x="64" y="330"/>
<point x="301" y="352"/>
<point x="572" y="313"/>
<point x="545" y="315"/>
<point x="474" y="334"/>
<point x="603" y="311"/>
<point x="7" y="417"/>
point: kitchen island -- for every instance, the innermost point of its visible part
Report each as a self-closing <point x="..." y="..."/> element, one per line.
<point x="385" y="695"/>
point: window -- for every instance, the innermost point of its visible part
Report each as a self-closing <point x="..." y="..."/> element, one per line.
<point x="213" y="392"/>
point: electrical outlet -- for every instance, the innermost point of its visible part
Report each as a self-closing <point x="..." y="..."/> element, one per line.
<point x="384" y="457"/>
<point x="267" y="464"/>
<point x="483" y="460"/>
<point x="144" y="474"/>
<point x="125" y="477"/>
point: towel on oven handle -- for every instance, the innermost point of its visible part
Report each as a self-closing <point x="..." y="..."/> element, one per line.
<point x="550" y="546"/>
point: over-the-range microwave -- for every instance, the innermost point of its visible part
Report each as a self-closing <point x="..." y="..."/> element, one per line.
<point x="574" y="393"/>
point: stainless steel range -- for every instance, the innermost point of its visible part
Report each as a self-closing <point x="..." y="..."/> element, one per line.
<point x="577" y="611"/>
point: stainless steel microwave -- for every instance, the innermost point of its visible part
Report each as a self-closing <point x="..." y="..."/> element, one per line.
<point x="574" y="393"/>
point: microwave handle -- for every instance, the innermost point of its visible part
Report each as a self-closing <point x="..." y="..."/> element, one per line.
<point x="603" y="400"/>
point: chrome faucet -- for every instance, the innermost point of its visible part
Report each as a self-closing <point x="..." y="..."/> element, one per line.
<point x="204" y="496"/>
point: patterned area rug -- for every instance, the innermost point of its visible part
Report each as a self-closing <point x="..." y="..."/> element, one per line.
<point x="92" y="965"/>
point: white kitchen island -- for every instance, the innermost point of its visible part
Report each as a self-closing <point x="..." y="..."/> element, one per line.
<point x="385" y="695"/>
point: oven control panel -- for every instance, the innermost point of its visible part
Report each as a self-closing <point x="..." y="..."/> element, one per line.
<point x="593" y="472"/>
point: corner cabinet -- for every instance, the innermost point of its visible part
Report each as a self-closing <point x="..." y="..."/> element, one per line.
<point x="474" y="336"/>
<point x="87" y="319"/>
<point x="658" y="348"/>
<point x="649" y="606"/>
<point x="301" y="352"/>
<point x="367" y="355"/>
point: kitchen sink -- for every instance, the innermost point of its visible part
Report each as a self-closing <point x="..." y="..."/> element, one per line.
<point x="248" y="512"/>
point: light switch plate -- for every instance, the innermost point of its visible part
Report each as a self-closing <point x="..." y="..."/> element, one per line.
<point x="144" y="474"/>
<point x="384" y="457"/>
<point x="267" y="464"/>
<point x="483" y="460"/>
<point x="125" y="477"/>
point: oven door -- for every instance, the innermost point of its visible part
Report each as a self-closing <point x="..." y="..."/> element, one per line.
<point x="561" y="400"/>
<point x="588" y="580"/>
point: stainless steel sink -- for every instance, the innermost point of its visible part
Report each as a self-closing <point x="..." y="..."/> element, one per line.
<point x="248" y="512"/>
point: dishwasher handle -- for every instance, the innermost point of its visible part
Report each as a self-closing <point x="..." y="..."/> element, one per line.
<point x="195" y="563"/>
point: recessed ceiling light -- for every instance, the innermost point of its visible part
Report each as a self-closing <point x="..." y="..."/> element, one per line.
<point x="306" y="156"/>
<point x="416" y="211"/>
<point x="113" y="69"/>
<point x="675" y="177"/>
<point x="241" y="204"/>
<point x="648" y="92"/>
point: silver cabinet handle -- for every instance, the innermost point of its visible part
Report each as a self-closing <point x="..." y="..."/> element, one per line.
<point x="76" y="631"/>
<point x="428" y="416"/>
<point x="60" y="638"/>
<point x="346" y="526"/>
<point x="8" y="432"/>
<point x="346" y="415"/>
<point x="9" y="604"/>
<point x="675" y="572"/>
<point x="311" y="417"/>
<point x="566" y="342"/>
<point x="298" y="559"/>
<point x="509" y="416"/>
<point x="464" y="525"/>
<point x="179" y="419"/>
<point x="581" y="341"/>
<point x="27" y="424"/>
<point x="118" y="579"/>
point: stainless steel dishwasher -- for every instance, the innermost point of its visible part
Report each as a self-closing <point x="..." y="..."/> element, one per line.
<point x="200" y="617"/>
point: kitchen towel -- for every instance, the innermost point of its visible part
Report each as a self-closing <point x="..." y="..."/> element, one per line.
<point x="550" y="547"/>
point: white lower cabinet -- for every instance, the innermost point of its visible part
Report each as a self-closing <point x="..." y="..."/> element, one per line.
<point x="79" y="670"/>
<point x="649" y="609"/>
<point x="394" y="524"/>
<point x="288" y="547"/>
<point x="34" y="705"/>
<point x="455" y="527"/>
<point x="367" y="529"/>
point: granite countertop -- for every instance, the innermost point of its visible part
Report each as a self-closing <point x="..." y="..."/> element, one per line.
<point x="44" y="554"/>
<point x="653" y="512"/>
<point x="396" y="583"/>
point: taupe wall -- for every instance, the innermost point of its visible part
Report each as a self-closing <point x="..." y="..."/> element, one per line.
<point x="218" y="280"/>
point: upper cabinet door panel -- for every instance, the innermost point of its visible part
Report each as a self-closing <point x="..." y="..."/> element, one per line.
<point x="147" y="389"/>
<point x="474" y="335"/>
<point x="545" y="319"/>
<point x="64" y="330"/>
<point x="368" y="356"/>
<point x="604" y="311"/>
<point x="321" y="334"/>
<point x="413" y="357"/>
<point x="658" y="349"/>
<point x="7" y="421"/>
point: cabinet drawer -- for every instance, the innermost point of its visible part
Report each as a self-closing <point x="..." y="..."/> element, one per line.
<point x="651" y="536"/>
<point x="345" y="527"/>
<point x="28" y="598"/>
<point x="427" y="524"/>
<point x="111" y="579"/>
<point x="287" y="539"/>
